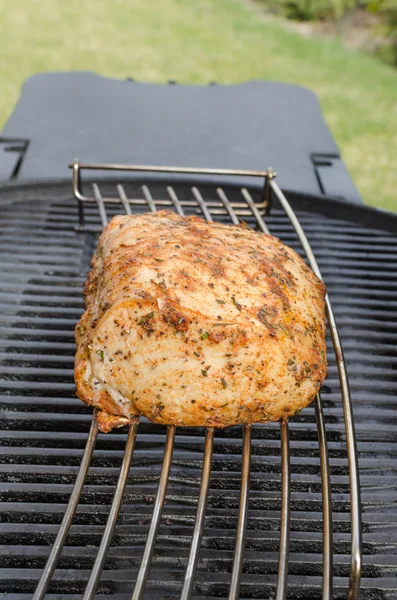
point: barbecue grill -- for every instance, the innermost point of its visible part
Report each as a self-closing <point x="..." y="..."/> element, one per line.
<point x="187" y="526"/>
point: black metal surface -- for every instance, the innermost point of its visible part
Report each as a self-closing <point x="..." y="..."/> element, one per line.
<point x="44" y="427"/>
<point x="242" y="126"/>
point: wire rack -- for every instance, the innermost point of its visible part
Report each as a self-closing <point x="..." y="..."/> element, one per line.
<point x="235" y="210"/>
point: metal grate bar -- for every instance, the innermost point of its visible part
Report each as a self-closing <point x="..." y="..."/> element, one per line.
<point x="56" y="550"/>
<point x="234" y="593"/>
<point x="113" y="514"/>
<point x="175" y="201"/>
<point x="200" y="516"/>
<point x="124" y="199"/>
<point x="200" y="201"/>
<point x="327" y="502"/>
<point x="101" y="204"/>
<point x="356" y="552"/>
<point x="148" y="198"/>
<point x="223" y="198"/>
<point x="285" y="513"/>
<point x="176" y="170"/>
<point x="157" y="510"/>
<point x="254" y="209"/>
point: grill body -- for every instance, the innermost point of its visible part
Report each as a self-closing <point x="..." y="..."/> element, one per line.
<point x="44" y="426"/>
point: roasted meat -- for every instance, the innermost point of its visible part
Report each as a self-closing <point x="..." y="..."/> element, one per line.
<point x="196" y="323"/>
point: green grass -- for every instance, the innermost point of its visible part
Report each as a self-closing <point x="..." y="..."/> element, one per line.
<point x="196" y="41"/>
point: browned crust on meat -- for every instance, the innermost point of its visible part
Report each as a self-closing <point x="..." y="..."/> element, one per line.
<point x="107" y="422"/>
<point x="163" y="311"/>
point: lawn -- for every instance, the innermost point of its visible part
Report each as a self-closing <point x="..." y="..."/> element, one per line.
<point x="197" y="41"/>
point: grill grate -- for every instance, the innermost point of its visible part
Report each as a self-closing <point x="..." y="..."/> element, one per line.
<point x="269" y="187"/>
<point x="45" y="431"/>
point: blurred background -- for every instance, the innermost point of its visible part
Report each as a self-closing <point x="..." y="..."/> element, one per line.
<point x="344" y="50"/>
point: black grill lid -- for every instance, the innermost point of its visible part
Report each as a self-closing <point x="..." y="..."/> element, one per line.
<point x="60" y="116"/>
<point x="44" y="427"/>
